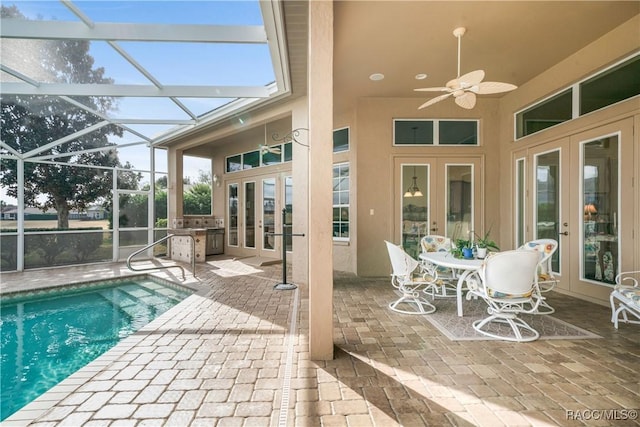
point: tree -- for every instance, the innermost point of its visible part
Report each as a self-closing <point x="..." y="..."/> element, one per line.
<point x="30" y="122"/>
<point x="197" y="201"/>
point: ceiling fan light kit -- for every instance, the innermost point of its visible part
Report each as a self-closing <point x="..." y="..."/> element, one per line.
<point x="465" y="87"/>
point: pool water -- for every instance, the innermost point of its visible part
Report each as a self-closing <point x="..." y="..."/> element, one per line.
<point x="48" y="335"/>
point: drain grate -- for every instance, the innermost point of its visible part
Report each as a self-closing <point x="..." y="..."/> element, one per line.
<point x="286" y="384"/>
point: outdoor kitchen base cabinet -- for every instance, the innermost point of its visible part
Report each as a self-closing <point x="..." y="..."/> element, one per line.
<point x="215" y="241"/>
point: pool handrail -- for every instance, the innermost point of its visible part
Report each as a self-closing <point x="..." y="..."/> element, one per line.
<point x="168" y="236"/>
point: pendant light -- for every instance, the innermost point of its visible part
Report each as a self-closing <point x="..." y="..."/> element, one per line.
<point x="413" y="190"/>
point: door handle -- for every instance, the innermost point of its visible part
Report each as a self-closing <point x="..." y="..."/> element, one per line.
<point x="434" y="229"/>
<point x="566" y="233"/>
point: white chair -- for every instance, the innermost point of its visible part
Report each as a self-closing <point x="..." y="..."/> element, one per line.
<point x="445" y="277"/>
<point x="412" y="286"/>
<point x="625" y="298"/>
<point x="546" y="280"/>
<point x="508" y="283"/>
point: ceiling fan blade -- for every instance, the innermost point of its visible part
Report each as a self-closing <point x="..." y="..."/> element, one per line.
<point x="471" y="79"/>
<point x="434" y="100"/>
<point x="466" y="100"/>
<point x="432" y="89"/>
<point x="486" y="88"/>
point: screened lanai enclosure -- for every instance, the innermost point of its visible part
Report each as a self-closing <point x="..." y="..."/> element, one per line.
<point x="88" y="91"/>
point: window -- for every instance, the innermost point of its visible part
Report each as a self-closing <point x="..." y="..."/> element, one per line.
<point x="254" y="159"/>
<point x="251" y="160"/>
<point x="413" y="132"/>
<point x="234" y="163"/>
<point x="435" y="132"/>
<point x="341" y="201"/>
<point x="233" y="215"/>
<point x="341" y="140"/>
<point x="272" y="157"/>
<point x="545" y="114"/>
<point x="455" y="132"/>
<point x="288" y="152"/>
<point x="614" y="85"/>
<point x="288" y="203"/>
<point x="607" y="87"/>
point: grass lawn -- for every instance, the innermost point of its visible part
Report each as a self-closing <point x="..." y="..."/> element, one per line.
<point x="40" y="224"/>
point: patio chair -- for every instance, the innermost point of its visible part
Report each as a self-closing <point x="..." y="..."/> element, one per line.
<point x="546" y="280"/>
<point x="411" y="285"/>
<point x="508" y="285"/>
<point x="625" y="298"/>
<point x="445" y="277"/>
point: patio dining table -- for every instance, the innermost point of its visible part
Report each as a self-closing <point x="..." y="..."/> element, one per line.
<point x="463" y="269"/>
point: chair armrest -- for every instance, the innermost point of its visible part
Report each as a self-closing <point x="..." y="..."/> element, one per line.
<point x="628" y="278"/>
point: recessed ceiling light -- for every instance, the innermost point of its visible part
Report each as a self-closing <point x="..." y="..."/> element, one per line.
<point x="421" y="76"/>
<point x="376" y="76"/>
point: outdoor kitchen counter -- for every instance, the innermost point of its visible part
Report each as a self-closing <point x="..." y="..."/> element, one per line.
<point x="180" y="244"/>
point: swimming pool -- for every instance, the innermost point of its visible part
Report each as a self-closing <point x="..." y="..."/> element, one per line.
<point x="47" y="335"/>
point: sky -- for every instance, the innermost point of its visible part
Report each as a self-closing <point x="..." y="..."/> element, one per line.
<point x="170" y="63"/>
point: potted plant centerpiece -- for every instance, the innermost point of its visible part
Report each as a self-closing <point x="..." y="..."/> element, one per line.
<point x="484" y="243"/>
<point x="463" y="248"/>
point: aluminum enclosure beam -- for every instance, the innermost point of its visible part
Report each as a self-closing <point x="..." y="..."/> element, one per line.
<point x="142" y="91"/>
<point x="65" y="30"/>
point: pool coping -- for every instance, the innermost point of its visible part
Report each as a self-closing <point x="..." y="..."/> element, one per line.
<point x="43" y="403"/>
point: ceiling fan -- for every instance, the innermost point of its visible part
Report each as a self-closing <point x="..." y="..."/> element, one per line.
<point x="464" y="88"/>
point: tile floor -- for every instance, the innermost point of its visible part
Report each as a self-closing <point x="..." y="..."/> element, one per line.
<point x="236" y="354"/>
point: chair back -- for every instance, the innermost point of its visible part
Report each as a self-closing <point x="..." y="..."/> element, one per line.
<point x="401" y="262"/>
<point x="545" y="249"/>
<point x="435" y="243"/>
<point x="512" y="273"/>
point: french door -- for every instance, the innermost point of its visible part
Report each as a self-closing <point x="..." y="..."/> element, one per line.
<point x="549" y="207"/>
<point x="436" y="196"/>
<point x="254" y="215"/>
<point x="576" y="186"/>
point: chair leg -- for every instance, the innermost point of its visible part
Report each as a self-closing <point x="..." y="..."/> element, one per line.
<point x="544" y="307"/>
<point x="614" y="312"/>
<point x="517" y="326"/>
<point x="412" y="298"/>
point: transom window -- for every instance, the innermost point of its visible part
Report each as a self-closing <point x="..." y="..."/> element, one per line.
<point x="272" y="155"/>
<point x="612" y="85"/>
<point x="435" y="132"/>
<point x="341" y="140"/>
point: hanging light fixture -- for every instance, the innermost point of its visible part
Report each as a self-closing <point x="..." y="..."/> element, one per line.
<point x="413" y="190"/>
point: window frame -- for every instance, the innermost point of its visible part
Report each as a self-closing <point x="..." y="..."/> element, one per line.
<point x="436" y="132"/>
<point x="339" y="165"/>
<point x="576" y="95"/>
<point x="348" y="129"/>
<point x="284" y="149"/>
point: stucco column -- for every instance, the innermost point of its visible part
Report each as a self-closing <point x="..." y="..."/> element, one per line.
<point x="174" y="185"/>
<point x="300" y="173"/>
<point x="320" y="96"/>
